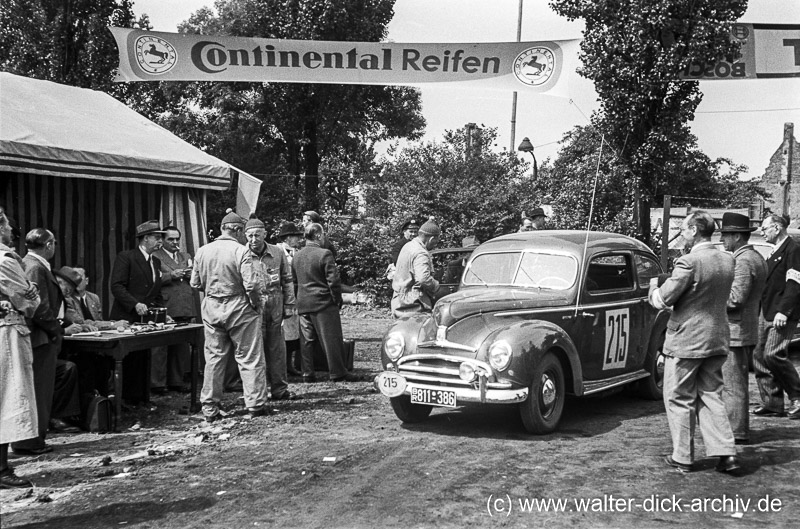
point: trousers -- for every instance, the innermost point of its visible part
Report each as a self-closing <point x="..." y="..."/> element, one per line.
<point x="775" y="373"/>
<point x="324" y="326"/>
<point x="45" y="358"/>
<point x="692" y="396"/>
<point x="275" y="351"/>
<point x="231" y="325"/>
<point x="735" y="392"/>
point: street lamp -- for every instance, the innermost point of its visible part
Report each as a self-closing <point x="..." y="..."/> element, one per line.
<point x="527" y="146"/>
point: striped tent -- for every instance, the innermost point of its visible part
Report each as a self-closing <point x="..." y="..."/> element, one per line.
<point x="90" y="169"/>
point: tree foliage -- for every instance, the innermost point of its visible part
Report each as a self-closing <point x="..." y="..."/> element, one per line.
<point x="295" y="128"/>
<point x="634" y="50"/>
<point x="695" y="180"/>
<point x="469" y="191"/>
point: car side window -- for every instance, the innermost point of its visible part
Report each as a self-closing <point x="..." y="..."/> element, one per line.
<point x="609" y="272"/>
<point x="646" y="268"/>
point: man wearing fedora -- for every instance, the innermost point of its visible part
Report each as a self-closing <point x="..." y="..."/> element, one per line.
<point x="290" y="237"/>
<point x="535" y="222"/>
<point x="744" y="301"/>
<point x="136" y="286"/>
<point x="780" y="311"/>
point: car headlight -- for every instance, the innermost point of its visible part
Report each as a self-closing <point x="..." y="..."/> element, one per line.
<point x="394" y="345"/>
<point x="500" y="355"/>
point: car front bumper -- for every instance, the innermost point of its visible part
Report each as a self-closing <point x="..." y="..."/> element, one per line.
<point x="464" y="394"/>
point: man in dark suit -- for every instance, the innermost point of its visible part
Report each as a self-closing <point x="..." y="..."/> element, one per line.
<point x="696" y="346"/>
<point x="780" y="311"/>
<point x="170" y="363"/>
<point x="319" y="297"/>
<point x="136" y="286"/>
<point x="744" y="303"/>
<point x="46" y="333"/>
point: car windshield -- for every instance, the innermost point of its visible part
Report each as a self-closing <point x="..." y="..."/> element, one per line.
<point x="524" y="269"/>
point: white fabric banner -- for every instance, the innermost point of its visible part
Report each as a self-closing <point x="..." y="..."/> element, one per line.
<point x="247" y="194"/>
<point x="156" y="56"/>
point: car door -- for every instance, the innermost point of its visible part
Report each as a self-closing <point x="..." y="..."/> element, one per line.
<point x="611" y="300"/>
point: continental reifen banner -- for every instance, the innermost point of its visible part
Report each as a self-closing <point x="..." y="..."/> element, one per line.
<point x="157" y="56"/>
<point x="767" y="51"/>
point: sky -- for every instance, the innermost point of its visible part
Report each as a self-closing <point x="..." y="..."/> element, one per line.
<point x="741" y="120"/>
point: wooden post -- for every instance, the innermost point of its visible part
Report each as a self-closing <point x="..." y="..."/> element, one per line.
<point x="665" y="216"/>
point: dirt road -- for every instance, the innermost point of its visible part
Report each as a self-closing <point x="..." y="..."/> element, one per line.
<point x="463" y="468"/>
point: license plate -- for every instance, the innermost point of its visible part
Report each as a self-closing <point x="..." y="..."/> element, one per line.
<point x="434" y="397"/>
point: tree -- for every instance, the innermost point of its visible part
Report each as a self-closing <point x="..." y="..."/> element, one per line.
<point x="302" y="125"/>
<point x="634" y="50"/>
<point x="569" y="183"/>
<point x="479" y="192"/>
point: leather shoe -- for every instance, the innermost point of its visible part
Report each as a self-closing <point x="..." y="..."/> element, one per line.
<point x="794" y="410"/>
<point x="741" y="441"/>
<point x="263" y="411"/>
<point x="349" y="377"/>
<point x="682" y="467"/>
<point x="33" y="451"/>
<point x="309" y="379"/>
<point x="763" y="411"/>
<point x="286" y="395"/>
<point x="62" y="426"/>
<point x="9" y="480"/>
<point x="728" y="464"/>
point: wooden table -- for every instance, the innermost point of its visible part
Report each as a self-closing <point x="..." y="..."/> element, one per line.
<point x="118" y="345"/>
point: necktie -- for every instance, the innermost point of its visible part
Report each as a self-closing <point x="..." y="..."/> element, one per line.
<point x="87" y="315"/>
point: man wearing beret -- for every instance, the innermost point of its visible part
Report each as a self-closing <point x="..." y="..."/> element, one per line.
<point x="780" y="312"/>
<point x="277" y="290"/>
<point x="136" y="286"/>
<point x="750" y="275"/>
<point x="413" y="283"/>
<point x="231" y="311"/>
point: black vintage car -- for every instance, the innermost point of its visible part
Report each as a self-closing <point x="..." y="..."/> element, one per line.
<point x="537" y="316"/>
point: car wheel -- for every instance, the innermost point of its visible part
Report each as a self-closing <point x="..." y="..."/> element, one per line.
<point x="408" y="412"/>
<point x="652" y="387"/>
<point x="541" y="413"/>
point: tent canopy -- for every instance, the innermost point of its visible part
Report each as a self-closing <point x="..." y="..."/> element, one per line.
<point x="58" y="130"/>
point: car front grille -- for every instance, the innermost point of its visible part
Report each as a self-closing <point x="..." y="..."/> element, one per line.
<point x="442" y="370"/>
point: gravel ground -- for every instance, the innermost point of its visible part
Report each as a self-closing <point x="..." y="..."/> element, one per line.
<point x="340" y="458"/>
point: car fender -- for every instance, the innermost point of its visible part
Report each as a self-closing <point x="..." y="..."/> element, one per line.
<point x="410" y="327"/>
<point x="530" y="340"/>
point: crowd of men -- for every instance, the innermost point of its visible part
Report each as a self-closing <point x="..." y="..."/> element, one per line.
<point x="725" y="306"/>
<point x="256" y="297"/>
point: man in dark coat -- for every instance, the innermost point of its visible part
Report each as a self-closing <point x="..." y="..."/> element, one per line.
<point x="136" y="286"/>
<point x="46" y="333"/>
<point x="409" y="231"/>
<point x="780" y="312"/>
<point x="319" y="297"/>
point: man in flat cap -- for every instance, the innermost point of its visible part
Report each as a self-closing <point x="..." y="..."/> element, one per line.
<point x="408" y="231"/>
<point x="136" y="286"/>
<point x="413" y="283"/>
<point x="224" y="271"/>
<point x="750" y="275"/>
<point x="780" y="312"/>
<point x="277" y="290"/>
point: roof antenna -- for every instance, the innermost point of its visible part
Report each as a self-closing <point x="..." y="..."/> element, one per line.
<point x="589" y="224"/>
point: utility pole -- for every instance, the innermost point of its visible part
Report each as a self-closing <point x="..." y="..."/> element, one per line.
<point x="787" y="155"/>
<point x="514" y="97"/>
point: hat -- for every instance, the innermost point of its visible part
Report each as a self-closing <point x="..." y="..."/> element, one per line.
<point x="538" y="212"/>
<point x="314" y="216"/>
<point x="289" y="228"/>
<point x="430" y="228"/>
<point x="410" y="224"/>
<point x="735" y="223"/>
<point x="70" y="275"/>
<point x="148" y="228"/>
<point x="254" y="222"/>
<point x="232" y="218"/>
<point x="469" y="241"/>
